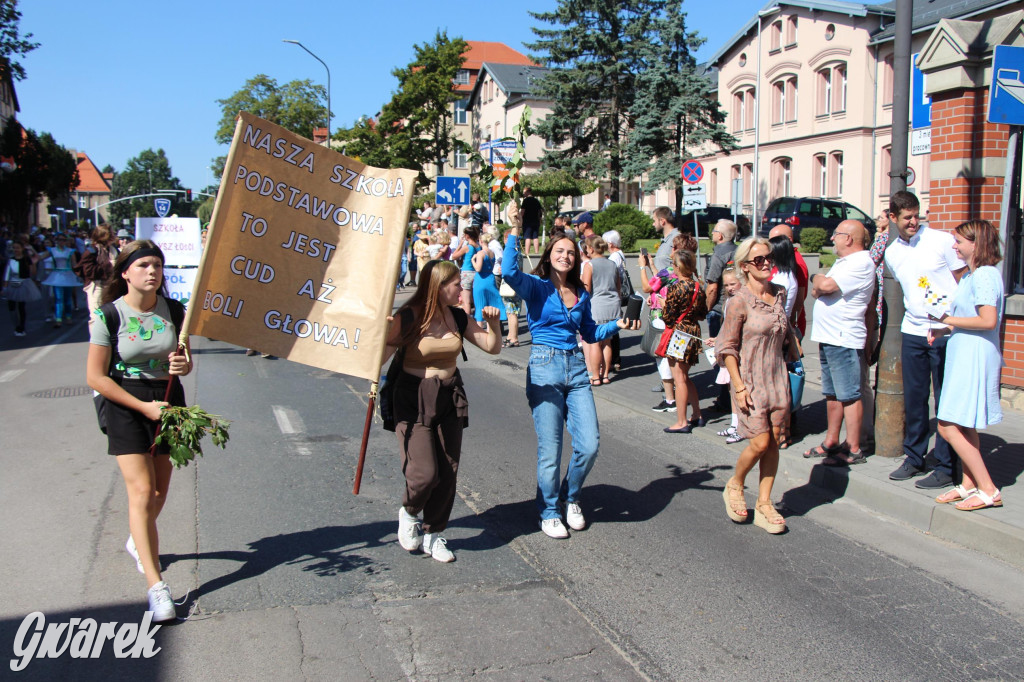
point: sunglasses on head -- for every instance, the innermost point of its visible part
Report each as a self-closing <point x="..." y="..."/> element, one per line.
<point x="759" y="261"/>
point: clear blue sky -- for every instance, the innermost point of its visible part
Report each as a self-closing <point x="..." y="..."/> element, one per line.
<point x="115" y="77"/>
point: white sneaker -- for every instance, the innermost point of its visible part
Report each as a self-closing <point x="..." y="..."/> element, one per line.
<point x="130" y="546"/>
<point x="574" y="516"/>
<point x="160" y="603"/>
<point x="554" y="528"/>
<point x="409" y="529"/>
<point x="437" y="547"/>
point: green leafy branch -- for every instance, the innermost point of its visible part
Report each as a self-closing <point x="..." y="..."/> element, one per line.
<point x="511" y="186"/>
<point x="182" y="429"/>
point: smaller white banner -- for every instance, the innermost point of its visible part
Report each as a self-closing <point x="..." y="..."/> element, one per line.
<point x="178" y="238"/>
<point x="179" y="282"/>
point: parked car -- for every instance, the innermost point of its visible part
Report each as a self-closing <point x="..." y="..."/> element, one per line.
<point x="707" y="217"/>
<point x="572" y="213"/>
<point x="801" y="212"/>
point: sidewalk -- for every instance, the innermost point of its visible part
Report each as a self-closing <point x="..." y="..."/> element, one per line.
<point x="997" y="532"/>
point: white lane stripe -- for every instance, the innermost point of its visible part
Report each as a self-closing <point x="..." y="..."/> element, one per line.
<point x="288" y="420"/>
<point x="42" y="352"/>
<point x="261" y="370"/>
<point x="10" y="375"/>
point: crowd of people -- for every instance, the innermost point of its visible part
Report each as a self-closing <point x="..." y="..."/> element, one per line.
<point x="48" y="269"/>
<point x="752" y="296"/>
<point x="468" y="283"/>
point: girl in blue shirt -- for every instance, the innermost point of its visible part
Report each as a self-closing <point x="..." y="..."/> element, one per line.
<point x="557" y="382"/>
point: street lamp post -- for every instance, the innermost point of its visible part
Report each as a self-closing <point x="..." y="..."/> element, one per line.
<point x="295" y="42"/>
<point x="757" y="119"/>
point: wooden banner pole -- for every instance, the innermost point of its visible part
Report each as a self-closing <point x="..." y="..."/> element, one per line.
<point x="366" y="437"/>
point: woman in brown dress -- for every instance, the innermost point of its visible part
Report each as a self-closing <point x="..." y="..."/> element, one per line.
<point x="685" y="307"/>
<point x="751" y="346"/>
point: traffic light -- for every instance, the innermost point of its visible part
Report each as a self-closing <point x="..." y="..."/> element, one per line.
<point x="188" y="195"/>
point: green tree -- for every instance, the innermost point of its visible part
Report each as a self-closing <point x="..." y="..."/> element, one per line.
<point x="415" y="128"/>
<point x="594" y="51"/>
<point x="675" y="110"/>
<point x="299" y="106"/>
<point x="551" y="185"/>
<point x="145" y="174"/>
<point x="43" y="167"/>
<point x="12" y="43"/>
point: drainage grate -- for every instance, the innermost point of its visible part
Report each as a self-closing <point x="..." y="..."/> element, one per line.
<point x="62" y="392"/>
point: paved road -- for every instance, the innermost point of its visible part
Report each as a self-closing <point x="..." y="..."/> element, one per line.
<point x="293" y="577"/>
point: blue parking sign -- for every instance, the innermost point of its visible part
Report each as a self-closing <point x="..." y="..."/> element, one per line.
<point x="1006" y="95"/>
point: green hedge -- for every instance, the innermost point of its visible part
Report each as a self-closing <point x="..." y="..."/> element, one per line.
<point x="812" y="239"/>
<point x="631" y="223"/>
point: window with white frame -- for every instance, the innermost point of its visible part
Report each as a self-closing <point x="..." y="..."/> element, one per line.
<point x="791" y="31"/>
<point x="460" y="111"/>
<point x="779" y="101"/>
<point x="749" y="109"/>
<point x="775" y="36"/>
<point x="781" y="177"/>
<point x="832" y="90"/>
<point x="835" y="185"/>
<point x="461" y="159"/>
<point x="462" y="77"/>
<point x="820" y="176"/>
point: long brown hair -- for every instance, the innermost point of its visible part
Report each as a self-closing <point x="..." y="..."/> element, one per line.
<point x="986" y="241"/>
<point x="116" y="286"/>
<point x="425" y="304"/>
<point x="543" y="269"/>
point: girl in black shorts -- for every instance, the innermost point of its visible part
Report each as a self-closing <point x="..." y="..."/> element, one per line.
<point x="145" y="358"/>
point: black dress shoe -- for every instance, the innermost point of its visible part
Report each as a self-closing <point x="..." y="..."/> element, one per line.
<point x="906" y="472"/>
<point x="936" y="479"/>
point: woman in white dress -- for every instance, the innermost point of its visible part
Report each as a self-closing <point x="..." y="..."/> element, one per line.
<point x="63" y="280"/>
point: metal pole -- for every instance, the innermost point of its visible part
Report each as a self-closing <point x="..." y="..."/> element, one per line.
<point x="890" y="418"/>
<point x="757" y="118"/>
<point x="295" y="42"/>
<point x="1010" y="222"/>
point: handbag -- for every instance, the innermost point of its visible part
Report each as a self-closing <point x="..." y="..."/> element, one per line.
<point x="506" y="290"/>
<point x="670" y="332"/>
<point x="797" y="378"/>
<point x="625" y="287"/>
<point x="679" y="344"/>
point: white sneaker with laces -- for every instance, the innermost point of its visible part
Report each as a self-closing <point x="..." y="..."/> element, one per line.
<point x="160" y="603"/>
<point x="130" y="546"/>
<point x="436" y="546"/>
<point x="554" y="528"/>
<point x="409" y="531"/>
<point x="574" y="516"/>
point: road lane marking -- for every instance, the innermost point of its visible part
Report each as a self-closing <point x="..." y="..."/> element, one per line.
<point x="288" y="420"/>
<point x="10" y="375"/>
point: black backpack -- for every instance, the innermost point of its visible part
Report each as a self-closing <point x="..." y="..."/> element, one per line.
<point x="112" y="319"/>
<point x="386" y="392"/>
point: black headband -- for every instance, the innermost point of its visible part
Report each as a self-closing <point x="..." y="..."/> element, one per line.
<point x="142" y="253"/>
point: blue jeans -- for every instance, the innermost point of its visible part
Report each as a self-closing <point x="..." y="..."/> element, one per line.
<point x="558" y="389"/>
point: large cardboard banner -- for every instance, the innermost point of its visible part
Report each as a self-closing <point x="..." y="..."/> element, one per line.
<point x="302" y="255"/>
<point x="178" y="238"/>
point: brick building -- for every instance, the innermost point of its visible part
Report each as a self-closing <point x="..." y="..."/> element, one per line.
<point x="969" y="154"/>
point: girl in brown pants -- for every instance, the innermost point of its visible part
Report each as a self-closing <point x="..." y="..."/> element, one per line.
<point x="430" y="402"/>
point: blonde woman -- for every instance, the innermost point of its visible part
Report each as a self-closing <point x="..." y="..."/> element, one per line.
<point x="750" y="345"/>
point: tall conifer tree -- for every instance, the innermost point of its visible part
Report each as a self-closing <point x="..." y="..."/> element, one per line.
<point x="676" y="116"/>
<point x="594" y="51"/>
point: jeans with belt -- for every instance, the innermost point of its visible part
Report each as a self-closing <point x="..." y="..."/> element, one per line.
<point x="558" y="390"/>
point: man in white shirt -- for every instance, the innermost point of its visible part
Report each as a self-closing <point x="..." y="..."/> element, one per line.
<point x="921" y="258"/>
<point x="840" y="330"/>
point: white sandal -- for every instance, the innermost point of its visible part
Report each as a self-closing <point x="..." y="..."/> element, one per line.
<point x="995" y="500"/>
<point x="963" y="493"/>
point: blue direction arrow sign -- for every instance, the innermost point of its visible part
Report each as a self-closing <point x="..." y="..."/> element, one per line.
<point x="693" y="172"/>
<point x="452" y="191"/>
<point x="1006" y="95"/>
